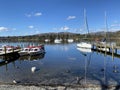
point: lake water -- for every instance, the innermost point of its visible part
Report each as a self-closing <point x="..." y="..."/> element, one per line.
<point x="62" y="64"/>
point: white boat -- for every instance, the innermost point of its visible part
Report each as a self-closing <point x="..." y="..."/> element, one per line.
<point x="32" y="50"/>
<point x="57" y="40"/>
<point x="47" y="40"/>
<point x="70" y="40"/>
<point x="36" y="51"/>
<point x="24" y="51"/>
<point x="84" y="45"/>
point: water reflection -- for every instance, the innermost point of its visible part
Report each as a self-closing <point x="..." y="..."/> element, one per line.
<point x="60" y="65"/>
<point x="9" y="58"/>
<point x="6" y="59"/>
<point x="86" y="52"/>
<point x="33" y="57"/>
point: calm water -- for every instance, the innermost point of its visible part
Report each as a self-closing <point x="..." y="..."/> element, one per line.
<point x="61" y="64"/>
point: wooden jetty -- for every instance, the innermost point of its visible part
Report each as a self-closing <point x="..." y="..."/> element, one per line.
<point x="106" y="48"/>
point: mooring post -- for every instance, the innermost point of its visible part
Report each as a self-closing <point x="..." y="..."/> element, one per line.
<point x="5" y="50"/>
<point x="112" y="52"/>
<point x="97" y="48"/>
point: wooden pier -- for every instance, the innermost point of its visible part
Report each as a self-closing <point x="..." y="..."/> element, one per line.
<point x="107" y="48"/>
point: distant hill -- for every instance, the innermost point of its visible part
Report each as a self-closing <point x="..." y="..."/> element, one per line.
<point x="63" y="35"/>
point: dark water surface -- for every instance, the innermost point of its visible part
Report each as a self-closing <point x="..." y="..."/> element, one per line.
<point x="62" y="64"/>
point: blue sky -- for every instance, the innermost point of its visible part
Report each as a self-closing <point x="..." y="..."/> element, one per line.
<point x="27" y="17"/>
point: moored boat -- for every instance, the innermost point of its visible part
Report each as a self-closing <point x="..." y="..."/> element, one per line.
<point x="6" y="49"/>
<point x="85" y="44"/>
<point x="57" y="40"/>
<point x="24" y="51"/>
<point x="70" y="40"/>
<point x="47" y="40"/>
<point x="32" y="50"/>
<point x="36" y="51"/>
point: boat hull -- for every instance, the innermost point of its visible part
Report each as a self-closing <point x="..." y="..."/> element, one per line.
<point x="70" y="40"/>
<point x="84" y="45"/>
<point x="57" y="40"/>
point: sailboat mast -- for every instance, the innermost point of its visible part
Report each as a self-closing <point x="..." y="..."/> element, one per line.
<point x="106" y="28"/>
<point x="85" y="21"/>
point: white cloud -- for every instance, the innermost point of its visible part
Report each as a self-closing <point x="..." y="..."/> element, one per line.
<point x="3" y="29"/>
<point x="32" y="14"/>
<point x="71" y="17"/>
<point x="65" y="28"/>
<point x="31" y="26"/>
<point x="115" y="25"/>
<point x="38" y="14"/>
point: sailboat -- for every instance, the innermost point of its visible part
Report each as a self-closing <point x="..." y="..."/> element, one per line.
<point x="85" y="44"/>
<point x="47" y="40"/>
<point x="104" y="41"/>
<point x="57" y="40"/>
<point x="70" y="40"/>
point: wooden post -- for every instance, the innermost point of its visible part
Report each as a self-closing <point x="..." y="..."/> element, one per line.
<point x="5" y="50"/>
<point x="13" y="49"/>
<point x="112" y="52"/>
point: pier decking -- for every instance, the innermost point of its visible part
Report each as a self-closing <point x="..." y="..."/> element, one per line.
<point x="107" y="48"/>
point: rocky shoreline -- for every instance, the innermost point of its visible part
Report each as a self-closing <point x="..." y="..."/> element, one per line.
<point x="58" y="87"/>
